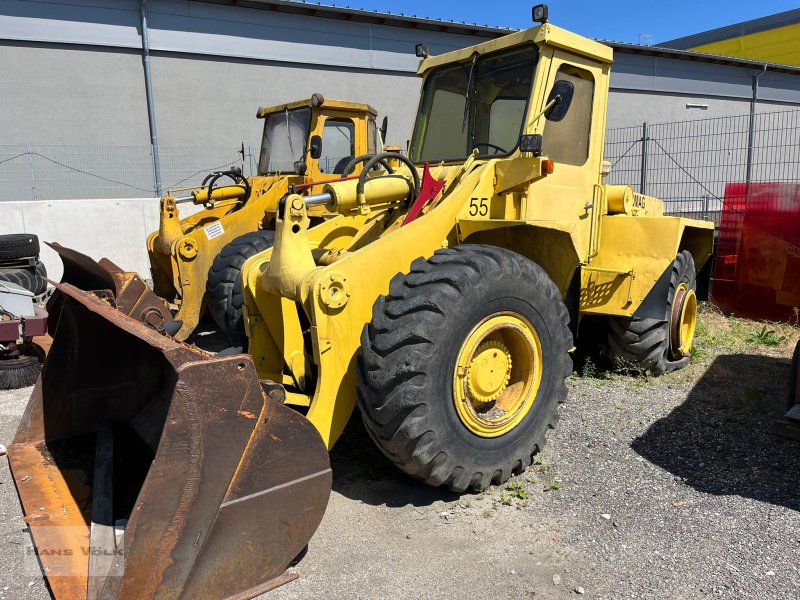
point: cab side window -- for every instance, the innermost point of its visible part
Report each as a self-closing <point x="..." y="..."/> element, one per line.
<point x="338" y="145"/>
<point x="567" y="141"/>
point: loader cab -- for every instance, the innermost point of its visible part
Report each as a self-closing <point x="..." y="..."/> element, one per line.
<point x="315" y="138"/>
<point x="484" y="99"/>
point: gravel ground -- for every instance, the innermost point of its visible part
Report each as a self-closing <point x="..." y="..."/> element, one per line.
<point x="656" y="488"/>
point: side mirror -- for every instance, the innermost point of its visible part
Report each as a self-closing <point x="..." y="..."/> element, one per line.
<point x="315" y="147"/>
<point x="300" y="167"/>
<point x="562" y="93"/>
<point x="384" y="127"/>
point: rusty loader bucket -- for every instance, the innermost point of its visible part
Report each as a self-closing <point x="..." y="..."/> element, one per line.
<point x="124" y="290"/>
<point x="149" y="469"/>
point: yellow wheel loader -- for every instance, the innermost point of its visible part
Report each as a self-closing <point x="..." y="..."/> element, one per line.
<point x="446" y="297"/>
<point x="195" y="260"/>
<point x="443" y="296"/>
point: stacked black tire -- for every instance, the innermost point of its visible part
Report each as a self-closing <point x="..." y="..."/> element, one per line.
<point x="20" y="265"/>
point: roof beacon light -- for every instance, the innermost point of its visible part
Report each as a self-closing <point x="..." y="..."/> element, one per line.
<point x="539" y="13"/>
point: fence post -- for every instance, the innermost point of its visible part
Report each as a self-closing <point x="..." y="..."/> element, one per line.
<point x="643" y="176"/>
<point x="751" y="134"/>
<point x="33" y="172"/>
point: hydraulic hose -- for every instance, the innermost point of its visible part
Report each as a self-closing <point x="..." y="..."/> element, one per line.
<point x="351" y="166"/>
<point x="379" y="158"/>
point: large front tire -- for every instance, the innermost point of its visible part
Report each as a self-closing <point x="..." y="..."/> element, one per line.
<point x="464" y="365"/>
<point x="661" y="345"/>
<point x="224" y="296"/>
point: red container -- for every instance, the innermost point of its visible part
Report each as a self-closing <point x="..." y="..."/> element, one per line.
<point x="757" y="267"/>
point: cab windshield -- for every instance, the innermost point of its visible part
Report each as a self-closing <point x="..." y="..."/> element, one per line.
<point x="284" y="142"/>
<point x="479" y="104"/>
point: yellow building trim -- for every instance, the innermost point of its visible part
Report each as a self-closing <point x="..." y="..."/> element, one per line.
<point x="781" y="45"/>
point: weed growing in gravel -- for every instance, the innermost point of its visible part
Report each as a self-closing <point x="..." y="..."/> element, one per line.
<point x="588" y="370"/>
<point x="765" y="337"/>
<point x="697" y="352"/>
<point x="623" y="366"/>
<point x="517" y="490"/>
<point x="717" y="333"/>
<point x="552" y="487"/>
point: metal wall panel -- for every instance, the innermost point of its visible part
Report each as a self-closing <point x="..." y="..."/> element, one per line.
<point x="220" y="30"/>
<point x="103" y="23"/>
<point x="651" y="73"/>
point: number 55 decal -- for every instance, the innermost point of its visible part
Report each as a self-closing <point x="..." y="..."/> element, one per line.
<point x="478" y="207"/>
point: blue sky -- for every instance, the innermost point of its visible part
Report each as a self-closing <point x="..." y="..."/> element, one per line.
<point x="620" y="21"/>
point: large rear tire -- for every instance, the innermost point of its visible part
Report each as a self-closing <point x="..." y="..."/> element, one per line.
<point x="463" y="367"/>
<point x="661" y="345"/>
<point x="224" y="286"/>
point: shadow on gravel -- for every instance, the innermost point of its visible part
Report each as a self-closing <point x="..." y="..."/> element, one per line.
<point x="361" y="472"/>
<point x="720" y="441"/>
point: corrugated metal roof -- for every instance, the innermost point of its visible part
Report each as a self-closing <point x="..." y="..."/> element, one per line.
<point x="331" y="10"/>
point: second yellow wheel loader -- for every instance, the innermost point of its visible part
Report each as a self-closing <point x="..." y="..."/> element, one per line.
<point x="195" y="260"/>
<point x="443" y="298"/>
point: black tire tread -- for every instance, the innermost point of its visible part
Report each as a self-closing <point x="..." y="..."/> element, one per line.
<point x="644" y="342"/>
<point x="397" y="346"/>
<point x="14" y="246"/>
<point x="30" y="278"/>
<point x="18" y="372"/>
<point x="224" y="297"/>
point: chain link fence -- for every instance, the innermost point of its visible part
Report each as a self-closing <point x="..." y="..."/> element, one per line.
<point x="687" y="164"/>
<point x="53" y="172"/>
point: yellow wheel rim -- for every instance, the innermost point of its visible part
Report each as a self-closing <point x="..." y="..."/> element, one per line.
<point x="497" y="374"/>
<point x="683" y="322"/>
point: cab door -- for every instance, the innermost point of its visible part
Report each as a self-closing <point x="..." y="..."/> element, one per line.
<point x="575" y="145"/>
<point x="342" y="140"/>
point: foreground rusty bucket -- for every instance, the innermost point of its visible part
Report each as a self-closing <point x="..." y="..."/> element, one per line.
<point x="125" y="290"/>
<point x="150" y="469"/>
